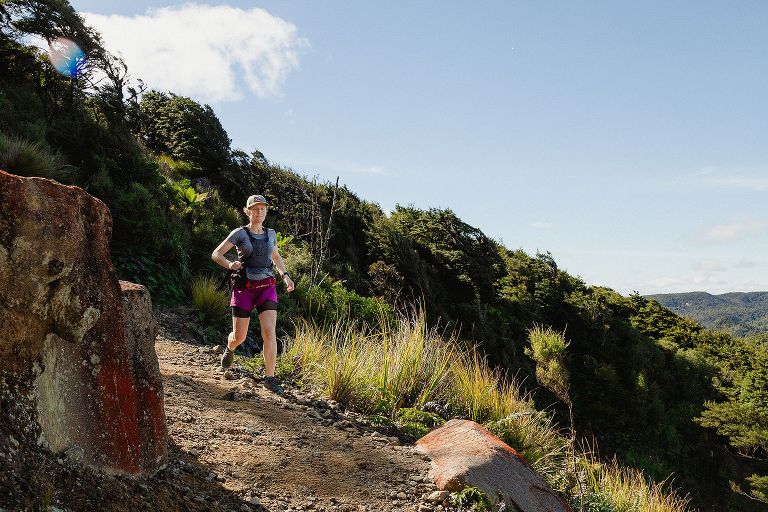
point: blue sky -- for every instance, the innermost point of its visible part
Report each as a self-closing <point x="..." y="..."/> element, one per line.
<point x="629" y="139"/>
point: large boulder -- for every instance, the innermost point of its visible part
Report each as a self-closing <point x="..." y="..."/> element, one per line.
<point x="78" y="370"/>
<point x="464" y="453"/>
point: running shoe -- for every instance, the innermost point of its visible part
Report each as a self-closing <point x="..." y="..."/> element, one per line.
<point x="226" y="358"/>
<point x="271" y="384"/>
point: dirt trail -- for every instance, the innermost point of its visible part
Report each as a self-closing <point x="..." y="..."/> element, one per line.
<point x="293" y="451"/>
<point x="234" y="446"/>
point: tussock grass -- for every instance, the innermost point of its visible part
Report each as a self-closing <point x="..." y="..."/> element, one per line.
<point x="404" y="364"/>
<point x="534" y="435"/>
<point x="210" y="303"/>
<point x="615" y="488"/>
<point x="413" y="364"/>
<point x="482" y="393"/>
<point x="26" y="158"/>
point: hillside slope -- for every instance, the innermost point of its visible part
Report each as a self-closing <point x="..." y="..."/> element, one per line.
<point x="233" y="446"/>
<point x="741" y="314"/>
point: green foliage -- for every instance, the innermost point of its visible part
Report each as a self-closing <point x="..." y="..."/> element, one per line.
<point x="481" y="392"/>
<point x="470" y="498"/>
<point x="211" y="304"/>
<point x="548" y="350"/>
<point x="759" y="487"/>
<point x="612" y="487"/>
<point x="743" y="415"/>
<point x="416" y="423"/>
<point x="25" y="158"/>
<point x="740" y="314"/>
<point x="186" y="130"/>
<point x="163" y="281"/>
<point x="330" y="302"/>
<point x="535" y="437"/>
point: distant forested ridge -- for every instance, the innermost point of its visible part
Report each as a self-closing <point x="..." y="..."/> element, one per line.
<point x="656" y="390"/>
<point x="738" y="313"/>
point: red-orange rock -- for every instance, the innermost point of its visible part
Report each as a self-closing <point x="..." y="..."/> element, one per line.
<point x="71" y="374"/>
<point x="464" y="453"/>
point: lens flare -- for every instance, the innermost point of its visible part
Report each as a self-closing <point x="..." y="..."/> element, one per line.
<point x="66" y="57"/>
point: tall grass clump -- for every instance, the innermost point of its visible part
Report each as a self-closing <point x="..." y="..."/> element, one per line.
<point x="402" y="364"/>
<point x="533" y="434"/>
<point x="210" y="303"/>
<point x="335" y="359"/>
<point x="482" y="393"/>
<point x="615" y="488"/>
<point x="26" y="158"/>
<point x="413" y="363"/>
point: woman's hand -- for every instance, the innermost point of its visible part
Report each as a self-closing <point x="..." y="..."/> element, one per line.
<point x="288" y="283"/>
<point x="235" y="265"/>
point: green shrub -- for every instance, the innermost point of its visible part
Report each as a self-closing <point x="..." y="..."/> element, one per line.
<point x="163" y="280"/>
<point x="25" y="158"/>
<point x="417" y="423"/>
<point x="211" y="304"/>
<point x="471" y="498"/>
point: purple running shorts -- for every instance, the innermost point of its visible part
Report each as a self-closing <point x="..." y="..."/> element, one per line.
<point x="261" y="294"/>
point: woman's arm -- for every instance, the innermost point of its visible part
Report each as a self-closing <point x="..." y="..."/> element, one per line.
<point x="280" y="264"/>
<point x="218" y="256"/>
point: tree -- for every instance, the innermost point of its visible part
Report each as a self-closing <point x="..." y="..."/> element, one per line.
<point x="185" y="130"/>
<point x="743" y="416"/>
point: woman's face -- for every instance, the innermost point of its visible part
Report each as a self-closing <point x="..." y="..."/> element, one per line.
<point x="257" y="212"/>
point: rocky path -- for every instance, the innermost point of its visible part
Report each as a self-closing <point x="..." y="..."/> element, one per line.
<point x="291" y="452"/>
<point x="234" y="447"/>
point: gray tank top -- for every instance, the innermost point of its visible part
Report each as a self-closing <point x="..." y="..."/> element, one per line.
<point x="257" y="256"/>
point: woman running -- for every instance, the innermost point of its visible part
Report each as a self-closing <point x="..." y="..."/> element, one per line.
<point x="257" y="252"/>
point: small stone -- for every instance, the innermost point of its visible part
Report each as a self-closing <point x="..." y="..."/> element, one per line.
<point x="438" y="496"/>
<point x="425" y="508"/>
<point x="229" y="375"/>
<point x="401" y="495"/>
<point x="194" y="452"/>
<point x="75" y="454"/>
<point x="245" y="508"/>
<point x="253" y="500"/>
<point x="95" y="359"/>
<point x="219" y="349"/>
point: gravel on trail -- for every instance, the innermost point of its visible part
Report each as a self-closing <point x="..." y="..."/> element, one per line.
<point x="234" y="446"/>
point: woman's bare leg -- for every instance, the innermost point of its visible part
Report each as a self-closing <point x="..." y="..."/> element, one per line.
<point x="239" y="331"/>
<point x="268" y="321"/>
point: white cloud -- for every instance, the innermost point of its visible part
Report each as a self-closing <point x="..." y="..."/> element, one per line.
<point x="706" y="278"/>
<point x="669" y="284"/>
<point x="542" y="225"/>
<point x="714" y="177"/>
<point x="208" y="52"/>
<point x="733" y="231"/>
<point x="336" y="166"/>
<point x="745" y="263"/>
<point x="709" y="266"/>
<point x="665" y="282"/>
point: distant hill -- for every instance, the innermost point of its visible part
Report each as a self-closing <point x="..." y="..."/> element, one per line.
<point x="739" y="313"/>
